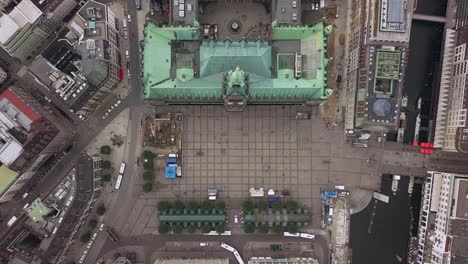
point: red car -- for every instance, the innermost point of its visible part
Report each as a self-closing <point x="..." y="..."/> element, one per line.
<point x="131" y="37"/>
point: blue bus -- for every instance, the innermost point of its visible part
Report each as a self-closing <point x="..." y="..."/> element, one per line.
<point x="138" y="4"/>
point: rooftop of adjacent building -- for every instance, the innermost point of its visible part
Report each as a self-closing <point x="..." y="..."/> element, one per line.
<point x="26" y="12"/>
<point x="192" y="261"/>
<point x="459" y="222"/>
<point x="7" y="177"/>
<point x="17" y="108"/>
<point x="288" y="12"/>
<point x="282" y="260"/>
<point x="379" y="91"/>
<point x="391" y="20"/>
<point x="91" y="21"/>
<point x="456" y="185"/>
<point x="37" y="210"/>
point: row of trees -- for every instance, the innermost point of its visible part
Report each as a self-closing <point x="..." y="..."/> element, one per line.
<point x="250" y="228"/>
<point x="190" y="207"/>
<point x="148" y="166"/>
<point x="164" y="228"/>
<point x="261" y="206"/>
<point x="92" y="224"/>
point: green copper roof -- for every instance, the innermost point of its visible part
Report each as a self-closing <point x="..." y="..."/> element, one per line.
<point x="37" y="210"/>
<point x="192" y="218"/>
<point x="157" y="51"/>
<point x="217" y="58"/>
<point x="253" y="57"/>
<point x="236" y="82"/>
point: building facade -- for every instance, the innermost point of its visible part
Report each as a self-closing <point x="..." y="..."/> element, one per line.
<point x="451" y="131"/>
<point x="442" y="237"/>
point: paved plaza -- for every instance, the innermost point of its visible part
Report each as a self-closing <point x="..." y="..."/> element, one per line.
<point x="264" y="146"/>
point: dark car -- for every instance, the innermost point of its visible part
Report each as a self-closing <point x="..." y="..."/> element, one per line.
<point x="67" y="149"/>
<point x="128" y="64"/>
<point x="338" y="79"/>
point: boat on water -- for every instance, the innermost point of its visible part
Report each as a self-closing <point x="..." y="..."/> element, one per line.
<point x="410" y="185"/>
<point x="395" y="180"/>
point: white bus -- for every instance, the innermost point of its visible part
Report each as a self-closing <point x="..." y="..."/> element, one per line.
<point x="118" y="182"/>
<point x="287" y="234"/>
<point x="122" y="168"/>
<point x="12" y="221"/>
<point x="227" y="247"/>
<point x="308" y="236"/>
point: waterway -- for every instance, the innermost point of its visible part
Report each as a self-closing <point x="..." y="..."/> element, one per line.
<point x="422" y="73"/>
<point x="380" y="233"/>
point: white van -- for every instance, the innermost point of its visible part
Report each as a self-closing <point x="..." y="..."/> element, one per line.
<point x="126" y="54"/>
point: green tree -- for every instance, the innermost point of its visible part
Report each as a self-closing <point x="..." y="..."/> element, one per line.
<point x="219" y="228"/>
<point x="220" y="206"/>
<point x="106" y="177"/>
<point x="147" y="187"/>
<point x="105" y="150"/>
<point x="278" y="229"/>
<point x="275" y="247"/>
<point x="263" y="228"/>
<point x="106" y="164"/>
<point x="292" y="228"/>
<point x="206" y="228"/>
<point x="148" y="155"/>
<point x="179" y="206"/>
<point x="206" y="206"/>
<point x="249" y="228"/>
<point x="86" y="237"/>
<point x="291" y="206"/>
<point x="93" y="223"/>
<point x="262" y="206"/>
<point x="192" y="229"/>
<point x="276" y="206"/>
<point x="163" y="228"/>
<point x="148" y="176"/>
<point x="148" y="166"/>
<point x="247" y="206"/>
<point x="101" y="210"/>
<point x="164" y="206"/>
<point x="192" y="206"/>
<point x="177" y="229"/>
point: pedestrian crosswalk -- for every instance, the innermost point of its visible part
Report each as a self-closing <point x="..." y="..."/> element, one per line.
<point x="22" y="71"/>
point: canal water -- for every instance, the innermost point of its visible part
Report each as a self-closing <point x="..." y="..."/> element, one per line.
<point x="380" y="233"/>
<point x="423" y="71"/>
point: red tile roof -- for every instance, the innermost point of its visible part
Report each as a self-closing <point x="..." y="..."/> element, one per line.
<point x="20" y="104"/>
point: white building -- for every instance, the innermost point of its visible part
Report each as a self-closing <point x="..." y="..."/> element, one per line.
<point x="442" y="237"/>
<point x="19" y="34"/>
<point x="16" y="118"/>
